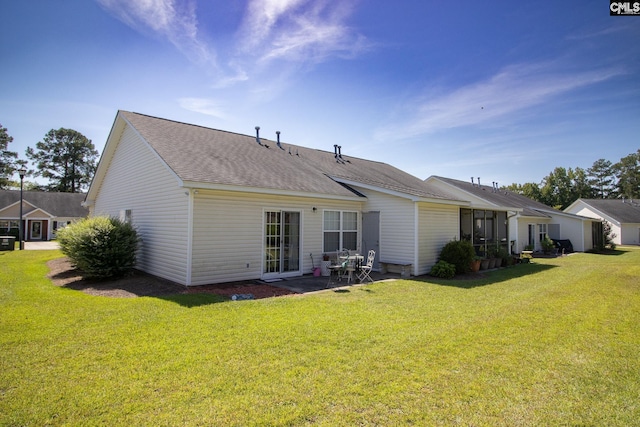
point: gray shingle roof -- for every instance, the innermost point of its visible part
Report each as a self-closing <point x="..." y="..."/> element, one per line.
<point x="207" y="156"/>
<point x="623" y="212"/>
<point x="57" y="204"/>
<point x="503" y="198"/>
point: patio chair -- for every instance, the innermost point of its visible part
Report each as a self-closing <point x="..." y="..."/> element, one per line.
<point x="339" y="269"/>
<point x="365" y="270"/>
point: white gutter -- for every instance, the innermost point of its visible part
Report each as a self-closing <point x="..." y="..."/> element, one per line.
<point x="189" y="266"/>
<point x="269" y="191"/>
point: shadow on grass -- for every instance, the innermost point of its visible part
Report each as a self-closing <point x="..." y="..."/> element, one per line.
<point x="474" y="280"/>
<point x="193" y="300"/>
<point x="616" y="252"/>
<point x="140" y="284"/>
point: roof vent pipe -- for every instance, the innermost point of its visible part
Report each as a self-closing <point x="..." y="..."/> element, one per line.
<point x="473" y="184"/>
<point x="278" y="136"/>
<point x="340" y="151"/>
<point x="497" y="187"/>
<point x="258" y="135"/>
<point x="478" y="182"/>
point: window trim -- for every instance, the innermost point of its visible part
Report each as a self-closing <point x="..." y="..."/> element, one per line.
<point x="341" y="229"/>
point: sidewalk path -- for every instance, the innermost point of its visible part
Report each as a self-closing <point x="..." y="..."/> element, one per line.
<point x="35" y="246"/>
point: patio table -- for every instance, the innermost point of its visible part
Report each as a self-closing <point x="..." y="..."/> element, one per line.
<point x="355" y="261"/>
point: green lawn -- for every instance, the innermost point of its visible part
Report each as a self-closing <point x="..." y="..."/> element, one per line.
<point x="556" y="342"/>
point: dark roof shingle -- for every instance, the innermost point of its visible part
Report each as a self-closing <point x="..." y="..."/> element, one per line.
<point x="503" y="198"/>
<point x="208" y="156"/>
<point x="57" y="204"/>
<point x="622" y="211"/>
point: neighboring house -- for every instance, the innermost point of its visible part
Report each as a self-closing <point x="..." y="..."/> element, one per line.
<point x="43" y="213"/>
<point x="496" y="216"/>
<point x="214" y="206"/>
<point x="623" y="215"/>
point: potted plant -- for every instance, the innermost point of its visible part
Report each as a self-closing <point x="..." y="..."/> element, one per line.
<point x="475" y="263"/>
<point x="505" y="258"/>
<point x="324" y="265"/>
<point x="547" y="245"/>
<point x="493" y="258"/>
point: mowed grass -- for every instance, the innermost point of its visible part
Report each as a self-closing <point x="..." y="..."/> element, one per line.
<point x="551" y="343"/>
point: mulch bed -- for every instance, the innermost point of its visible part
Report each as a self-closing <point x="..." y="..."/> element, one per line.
<point x="138" y="284"/>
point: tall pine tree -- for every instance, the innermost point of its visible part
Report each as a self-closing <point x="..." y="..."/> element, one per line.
<point x="66" y="158"/>
<point x="7" y="159"/>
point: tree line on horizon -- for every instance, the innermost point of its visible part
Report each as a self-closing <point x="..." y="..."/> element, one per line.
<point x="65" y="157"/>
<point x="603" y="180"/>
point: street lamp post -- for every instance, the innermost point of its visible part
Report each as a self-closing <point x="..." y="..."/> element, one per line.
<point x="22" y="173"/>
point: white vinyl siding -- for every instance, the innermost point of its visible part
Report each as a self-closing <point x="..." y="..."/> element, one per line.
<point x="576" y="230"/>
<point x="629" y="234"/>
<point x="138" y="181"/>
<point x="228" y="234"/>
<point x="438" y="225"/>
<point x="397" y="226"/>
<point x="627" y="230"/>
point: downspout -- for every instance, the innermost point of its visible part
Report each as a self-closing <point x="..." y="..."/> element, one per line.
<point x="515" y="214"/>
<point x="190" y="203"/>
<point x="416" y="239"/>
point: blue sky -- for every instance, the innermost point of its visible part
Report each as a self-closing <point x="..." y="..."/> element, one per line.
<point x="501" y="90"/>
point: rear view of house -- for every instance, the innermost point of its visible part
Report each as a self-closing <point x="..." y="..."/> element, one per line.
<point x="214" y="206"/>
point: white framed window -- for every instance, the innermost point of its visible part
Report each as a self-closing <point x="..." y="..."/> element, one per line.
<point x="340" y="230"/>
<point x="543" y="231"/>
<point x="8" y="225"/>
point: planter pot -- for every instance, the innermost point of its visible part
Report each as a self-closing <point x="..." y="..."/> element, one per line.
<point x="484" y="265"/>
<point x="324" y="268"/>
<point x="492" y="263"/>
<point x="475" y="265"/>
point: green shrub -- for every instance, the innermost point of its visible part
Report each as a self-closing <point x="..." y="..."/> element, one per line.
<point x="444" y="270"/>
<point x="609" y="235"/>
<point x="460" y="253"/>
<point x="101" y="247"/>
<point x="547" y="244"/>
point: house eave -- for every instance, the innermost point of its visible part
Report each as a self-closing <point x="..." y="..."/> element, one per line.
<point x="196" y="185"/>
<point x="496" y="207"/>
<point x="412" y="197"/>
<point x="566" y="214"/>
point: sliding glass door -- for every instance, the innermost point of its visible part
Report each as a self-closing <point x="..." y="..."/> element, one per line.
<point x="281" y="243"/>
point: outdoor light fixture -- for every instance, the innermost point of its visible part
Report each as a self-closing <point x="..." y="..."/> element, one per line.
<point x="22" y="172"/>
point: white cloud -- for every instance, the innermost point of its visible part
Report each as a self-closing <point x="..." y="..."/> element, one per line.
<point x="513" y="89"/>
<point x="299" y="30"/>
<point x="172" y="19"/>
<point x="203" y="106"/>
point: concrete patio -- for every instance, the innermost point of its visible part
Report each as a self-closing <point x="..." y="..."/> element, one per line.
<point x="310" y="283"/>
